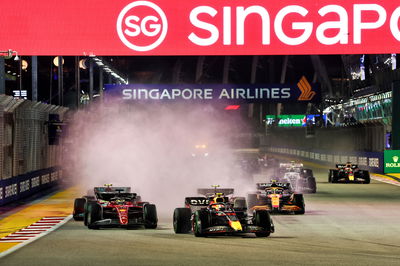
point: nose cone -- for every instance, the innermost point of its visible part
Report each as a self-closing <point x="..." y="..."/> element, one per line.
<point x="235" y="225"/>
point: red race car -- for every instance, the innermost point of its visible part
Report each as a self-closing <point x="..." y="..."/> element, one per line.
<point x="114" y="206"/>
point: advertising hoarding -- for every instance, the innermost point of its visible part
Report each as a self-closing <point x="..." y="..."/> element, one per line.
<point x="227" y="93"/>
<point x="204" y="27"/>
<point x="392" y="161"/>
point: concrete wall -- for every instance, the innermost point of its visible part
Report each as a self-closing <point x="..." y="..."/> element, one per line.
<point x="369" y="137"/>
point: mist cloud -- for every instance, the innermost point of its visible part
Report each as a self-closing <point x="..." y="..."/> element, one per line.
<point x="150" y="147"/>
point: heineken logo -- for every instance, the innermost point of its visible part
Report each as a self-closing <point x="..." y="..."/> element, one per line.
<point x="395" y="159"/>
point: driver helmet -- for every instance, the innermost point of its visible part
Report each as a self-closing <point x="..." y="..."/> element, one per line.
<point x="348" y="164"/>
<point x="218" y="207"/>
<point x="219" y="198"/>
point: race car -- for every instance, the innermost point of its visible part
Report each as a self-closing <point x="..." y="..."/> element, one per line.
<point x="348" y="173"/>
<point x="276" y="197"/>
<point x="301" y="179"/>
<point x="217" y="214"/>
<point x="114" y="206"/>
<point x="200" y="151"/>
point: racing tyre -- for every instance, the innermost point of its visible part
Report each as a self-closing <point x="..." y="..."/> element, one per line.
<point x="262" y="218"/>
<point x="150" y="216"/>
<point x="251" y="200"/>
<point x="79" y="209"/>
<point x="312" y="184"/>
<point x="299" y="201"/>
<point x="333" y="176"/>
<point x="85" y="214"/>
<point x="182" y="220"/>
<point x="200" y="222"/>
<point x="93" y="215"/>
<point x="367" y="178"/>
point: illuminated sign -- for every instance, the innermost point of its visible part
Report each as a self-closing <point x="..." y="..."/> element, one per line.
<point x="371" y="98"/>
<point x="392" y="161"/>
<point x="204" y="27"/>
<point x="286" y="120"/>
<point x="20" y="94"/>
<point x="292" y="120"/>
<point x="231" y="93"/>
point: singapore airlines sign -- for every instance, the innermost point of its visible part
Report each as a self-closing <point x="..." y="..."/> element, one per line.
<point x="204" y="27"/>
<point x="235" y="93"/>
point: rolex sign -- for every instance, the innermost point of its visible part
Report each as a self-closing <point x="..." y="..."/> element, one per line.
<point x="392" y="161"/>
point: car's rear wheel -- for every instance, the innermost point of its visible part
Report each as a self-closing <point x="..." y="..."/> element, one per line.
<point x="150" y="216"/>
<point x="93" y="215"/>
<point x="333" y="176"/>
<point x="181" y="220"/>
<point x="79" y="209"/>
<point x="312" y="184"/>
<point x="299" y="201"/>
<point x="263" y="219"/>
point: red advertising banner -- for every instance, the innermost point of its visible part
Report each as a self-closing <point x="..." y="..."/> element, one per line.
<point x="202" y="27"/>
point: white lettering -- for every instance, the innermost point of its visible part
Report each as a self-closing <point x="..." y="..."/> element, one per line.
<point x="342" y="24"/>
<point x="224" y="93"/>
<point x="187" y="94"/>
<point x="214" y="33"/>
<point x="156" y="28"/>
<point x="285" y="93"/>
<point x="241" y="15"/>
<point x="208" y="94"/>
<point x="306" y="26"/>
<point x="359" y="25"/>
<point x="127" y="94"/>
<point x="394" y="24"/>
<point x="176" y="93"/>
<point x="165" y="94"/>
<point x="275" y="93"/>
<point x="134" y="26"/>
<point x="227" y="26"/>
<point x="154" y="94"/>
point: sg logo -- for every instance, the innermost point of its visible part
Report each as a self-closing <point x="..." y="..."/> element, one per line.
<point x="142" y="26"/>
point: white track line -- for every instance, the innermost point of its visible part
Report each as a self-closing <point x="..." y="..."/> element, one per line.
<point x="385" y="180"/>
<point x="22" y="243"/>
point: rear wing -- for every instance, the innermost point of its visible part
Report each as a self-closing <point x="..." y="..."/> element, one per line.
<point x="197" y="201"/>
<point x="263" y="186"/>
<point x="208" y="192"/>
<point x="112" y="189"/>
<point x="341" y="165"/>
<point x="290" y="165"/>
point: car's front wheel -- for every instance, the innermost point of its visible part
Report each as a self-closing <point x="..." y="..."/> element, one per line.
<point x="93" y="215"/>
<point x="150" y="216"/>
<point x="182" y="220"/>
<point x="263" y="219"/>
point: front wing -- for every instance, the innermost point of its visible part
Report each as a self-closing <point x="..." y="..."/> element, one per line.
<point x="116" y="222"/>
<point x="224" y="229"/>
<point x="283" y="208"/>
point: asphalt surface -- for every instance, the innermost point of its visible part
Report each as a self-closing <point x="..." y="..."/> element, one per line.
<point x="344" y="224"/>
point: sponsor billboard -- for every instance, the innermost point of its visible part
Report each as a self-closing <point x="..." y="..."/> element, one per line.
<point x="392" y="161"/>
<point x="203" y="27"/>
<point x="286" y="120"/>
<point x="292" y="120"/>
<point x="227" y="93"/>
